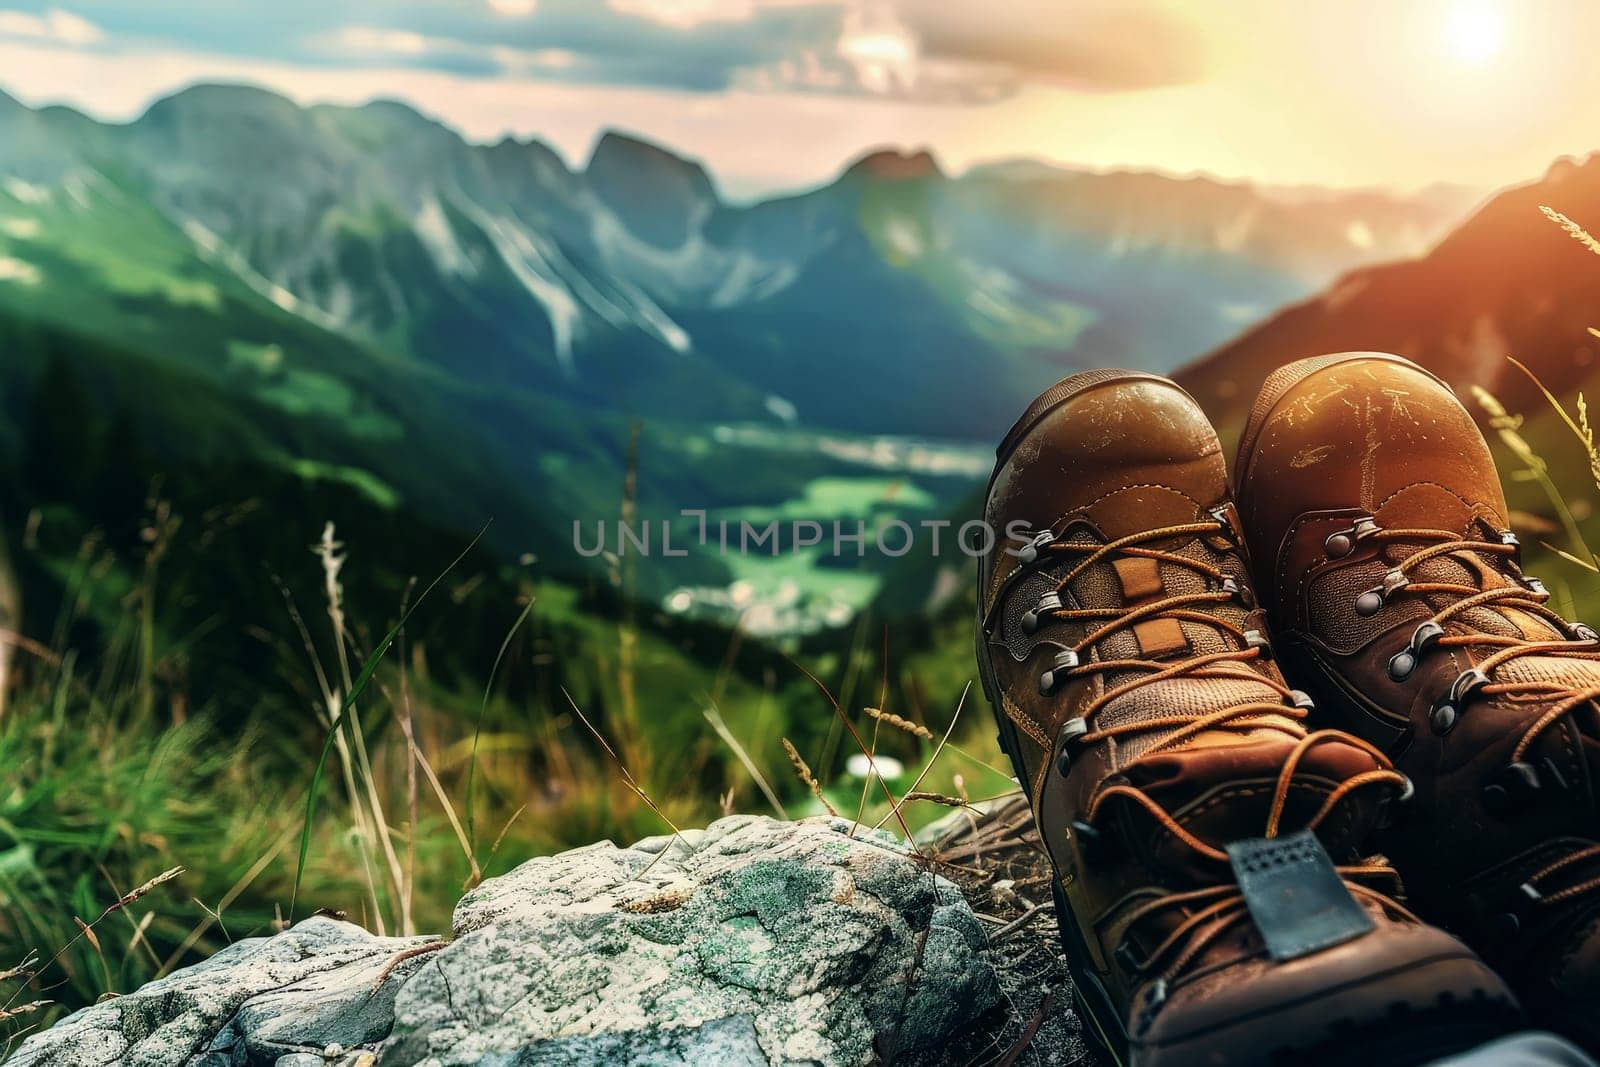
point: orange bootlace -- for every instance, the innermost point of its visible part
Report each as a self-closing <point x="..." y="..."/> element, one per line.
<point x="1528" y="596"/>
<point x="1224" y="905"/>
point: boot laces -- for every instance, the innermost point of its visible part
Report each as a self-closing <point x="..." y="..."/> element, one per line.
<point x="1220" y="908"/>
<point x="1524" y="594"/>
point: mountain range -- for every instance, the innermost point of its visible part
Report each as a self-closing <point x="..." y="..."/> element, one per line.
<point x="360" y="299"/>
<point x="1508" y="281"/>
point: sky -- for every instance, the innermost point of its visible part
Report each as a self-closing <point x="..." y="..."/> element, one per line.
<point x="780" y="94"/>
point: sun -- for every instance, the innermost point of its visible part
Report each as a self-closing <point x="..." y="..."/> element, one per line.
<point x="1475" y="32"/>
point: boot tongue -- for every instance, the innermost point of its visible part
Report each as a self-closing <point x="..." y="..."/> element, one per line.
<point x="1137" y="509"/>
<point x="1225" y="794"/>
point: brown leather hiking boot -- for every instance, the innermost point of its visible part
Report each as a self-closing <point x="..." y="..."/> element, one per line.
<point x="1189" y="815"/>
<point x="1378" y="530"/>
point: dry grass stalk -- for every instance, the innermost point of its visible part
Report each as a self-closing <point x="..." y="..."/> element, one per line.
<point x="332" y="707"/>
<point x="803" y="770"/>
<point x="138" y="938"/>
<point x="193" y="937"/>
<point x="401" y="957"/>
<point x="24" y="1009"/>
<point x="714" y="717"/>
<point x="1587" y="437"/>
<point x="937" y="751"/>
<point x="329" y="551"/>
<point x="899" y="723"/>
<point x="1576" y="232"/>
<point x="934" y="798"/>
<point x="627" y="780"/>
<point x="155" y="883"/>
<point x="23" y="970"/>
<point x="1508" y="428"/>
<point x="403" y="715"/>
<point x="87" y="934"/>
<point x="872" y="763"/>
<point x="418" y="760"/>
<point x="86" y="930"/>
<point x="494" y="849"/>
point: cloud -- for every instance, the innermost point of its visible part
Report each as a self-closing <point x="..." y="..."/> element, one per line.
<point x="381" y="41"/>
<point x="925" y="51"/>
<point x="874" y="51"/>
<point x="1097" y="46"/>
<point x="53" y="25"/>
<point x="685" y="14"/>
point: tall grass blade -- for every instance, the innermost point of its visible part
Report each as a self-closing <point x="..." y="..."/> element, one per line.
<point x="359" y="686"/>
<point x="714" y="717"/>
<point x="477" y="727"/>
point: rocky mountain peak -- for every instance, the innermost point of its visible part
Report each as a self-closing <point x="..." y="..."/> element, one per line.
<point x="895" y="165"/>
<point x="655" y="192"/>
<point x="232" y="102"/>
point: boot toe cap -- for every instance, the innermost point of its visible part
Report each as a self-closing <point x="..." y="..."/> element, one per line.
<point x="1402" y="994"/>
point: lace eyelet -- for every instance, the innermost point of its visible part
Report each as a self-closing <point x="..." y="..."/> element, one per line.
<point x="1402" y="663"/>
<point x="1509" y="922"/>
<point x="1091" y="844"/>
<point x="1534" y="586"/>
<point x="1029" y="552"/>
<point x="1447" y="709"/>
<point x="1047" y="603"/>
<point x="1071" y="730"/>
<point x="1387" y="816"/>
<point x="1512" y="788"/>
<point x="1425" y="635"/>
<point x="1341" y="544"/>
<point x="1372" y="601"/>
<point x="1237" y="591"/>
<point x="1299" y="698"/>
<point x="1257" y="640"/>
<point x="1442" y="719"/>
<point x="1585" y="632"/>
<point x="1467" y="684"/>
<point x="1051" y="679"/>
<point x="1126" y="957"/>
<point x="1154" y="999"/>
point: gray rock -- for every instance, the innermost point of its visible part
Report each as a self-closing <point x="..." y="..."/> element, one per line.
<point x="809" y="933"/>
<point x="753" y="941"/>
<point x="263" y="1001"/>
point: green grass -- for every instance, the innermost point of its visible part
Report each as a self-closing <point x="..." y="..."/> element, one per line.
<point x="117" y="772"/>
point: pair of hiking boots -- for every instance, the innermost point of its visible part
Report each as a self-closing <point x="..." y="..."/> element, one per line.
<point x="1216" y="830"/>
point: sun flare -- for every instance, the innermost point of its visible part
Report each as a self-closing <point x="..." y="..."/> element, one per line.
<point x="1475" y="32"/>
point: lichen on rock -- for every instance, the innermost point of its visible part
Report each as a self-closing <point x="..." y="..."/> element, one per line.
<point x="752" y="941"/>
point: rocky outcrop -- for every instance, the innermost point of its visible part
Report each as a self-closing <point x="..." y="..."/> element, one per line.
<point x="301" y="998"/>
<point x="753" y="941"/>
